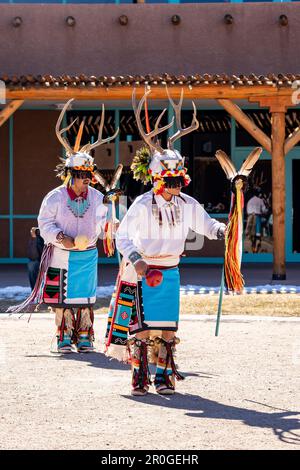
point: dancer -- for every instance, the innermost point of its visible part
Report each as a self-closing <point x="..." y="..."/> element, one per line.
<point x="151" y="238"/>
<point x="71" y="219"/>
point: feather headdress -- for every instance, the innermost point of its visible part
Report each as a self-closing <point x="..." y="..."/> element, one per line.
<point x="152" y="162"/>
<point x="78" y="158"/>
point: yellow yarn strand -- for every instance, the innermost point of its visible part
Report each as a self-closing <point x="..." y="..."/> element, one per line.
<point x="233" y="276"/>
<point x="67" y="179"/>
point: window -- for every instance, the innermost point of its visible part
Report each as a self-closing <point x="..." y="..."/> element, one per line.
<point x="258" y="210"/>
<point x="262" y="119"/>
<point x="296" y="206"/>
<point x="209" y="185"/>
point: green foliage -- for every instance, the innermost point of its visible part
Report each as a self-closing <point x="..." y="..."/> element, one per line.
<point x="140" y="165"/>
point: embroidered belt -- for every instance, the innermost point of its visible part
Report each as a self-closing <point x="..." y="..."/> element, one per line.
<point x="151" y="266"/>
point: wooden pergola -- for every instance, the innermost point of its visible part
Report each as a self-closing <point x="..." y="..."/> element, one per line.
<point x="275" y="93"/>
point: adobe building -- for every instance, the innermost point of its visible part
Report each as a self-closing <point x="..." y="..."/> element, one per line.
<point x="238" y="61"/>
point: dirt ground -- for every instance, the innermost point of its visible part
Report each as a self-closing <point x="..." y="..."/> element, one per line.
<point x="241" y="391"/>
<point x="255" y="304"/>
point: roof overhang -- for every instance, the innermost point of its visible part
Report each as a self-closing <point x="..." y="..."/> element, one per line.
<point x="120" y="88"/>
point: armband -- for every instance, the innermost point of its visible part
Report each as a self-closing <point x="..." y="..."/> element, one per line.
<point x="134" y="257"/>
<point x="60" y="236"/>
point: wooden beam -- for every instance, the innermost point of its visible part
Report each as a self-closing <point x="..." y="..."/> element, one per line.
<point x="249" y="125"/>
<point x="115" y="92"/>
<point x="292" y="140"/>
<point x="279" y="104"/>
<point x="278" y="195"/>
<point x="9" y="109"/>
<point x="276" y="104"/>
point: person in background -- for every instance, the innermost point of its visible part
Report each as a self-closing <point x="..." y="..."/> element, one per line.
<point x="256" y="209"/>
<point x="35" y="249"/>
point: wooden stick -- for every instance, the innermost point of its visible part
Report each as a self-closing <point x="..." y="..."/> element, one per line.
<point x="220" y="302"/>
<point x="249" y="125"/>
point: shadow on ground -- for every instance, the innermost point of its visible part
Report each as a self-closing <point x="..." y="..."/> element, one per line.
<point x="93" y="359"/>
<point x="198" y="407"/>
<point x="100" y="361"/>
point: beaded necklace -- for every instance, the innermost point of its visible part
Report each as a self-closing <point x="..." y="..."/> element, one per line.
<point x="78" y="205"/>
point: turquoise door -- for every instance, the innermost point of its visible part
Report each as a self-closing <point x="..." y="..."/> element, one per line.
<point x="293" y="205"/>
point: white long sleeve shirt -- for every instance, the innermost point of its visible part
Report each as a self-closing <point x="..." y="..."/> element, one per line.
<point x="56" y="215"/>
<point x="256" y="206"/>
<point x="140" y="230"/>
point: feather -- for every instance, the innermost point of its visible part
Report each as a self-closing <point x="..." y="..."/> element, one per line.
<point x="117" y="352"/>
<point x="140" y="165"/>
<point x="250" y="162"/>
<point x="226" y="164"/>
<point x="100" y="178"/>
<point x="78" y="137"/>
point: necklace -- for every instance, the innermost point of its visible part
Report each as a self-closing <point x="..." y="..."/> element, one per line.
<point x="78" y="206"/>
<point x="175" y="217"/>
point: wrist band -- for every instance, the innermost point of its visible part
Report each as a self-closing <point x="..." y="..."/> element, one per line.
<point x="60" y="236"/>
<point x="221" y="233"/>
<point x="134" y="257"/>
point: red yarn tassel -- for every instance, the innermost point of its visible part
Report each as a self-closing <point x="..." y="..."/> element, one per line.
<point x="233" y="242"/>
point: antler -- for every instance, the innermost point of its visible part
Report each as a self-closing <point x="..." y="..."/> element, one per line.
<point x="88" y="147"/>
<point x="180" y="131"/>
<point x="59" y="132"/>
<point x="148" y="138"/>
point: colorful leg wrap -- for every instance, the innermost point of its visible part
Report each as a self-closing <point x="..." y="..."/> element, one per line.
<point x="84" y="333"/>
<point x="65" y="322"/>
<point x="154" y="350"/>
<point x="141" y="378"/>
<point x="166" y="370"/>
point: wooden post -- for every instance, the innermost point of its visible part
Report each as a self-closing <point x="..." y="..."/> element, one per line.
<point x="280" y="147"/>
<point x="278" y="194"/>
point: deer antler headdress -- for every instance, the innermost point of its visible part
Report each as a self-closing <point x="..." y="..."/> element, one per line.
<point x="78" y="158"/>
<point x="154" y="162"/>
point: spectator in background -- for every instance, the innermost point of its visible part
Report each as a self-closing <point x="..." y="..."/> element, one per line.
<point x="35" y="248"/>
<point x="256" y="209"/>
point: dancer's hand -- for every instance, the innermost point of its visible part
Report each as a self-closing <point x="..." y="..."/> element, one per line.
<point x="221" y="232"/>
<point x="68" y="242"/>
<point x="141" y="267"/>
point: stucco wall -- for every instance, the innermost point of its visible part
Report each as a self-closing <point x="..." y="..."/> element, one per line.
<point x="150" y="43"/>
